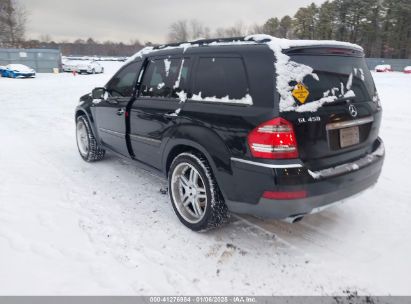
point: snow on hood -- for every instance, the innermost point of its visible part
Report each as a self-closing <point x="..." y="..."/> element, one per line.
<point x="20" y="68"/>
<point x="286" y="69"/>
<point x="407" y="68"/>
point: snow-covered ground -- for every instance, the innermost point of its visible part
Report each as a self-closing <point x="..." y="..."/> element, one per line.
<point x="69" y="227"/>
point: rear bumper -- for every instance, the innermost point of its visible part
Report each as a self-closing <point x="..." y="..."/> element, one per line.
<point x="323" y="188"/>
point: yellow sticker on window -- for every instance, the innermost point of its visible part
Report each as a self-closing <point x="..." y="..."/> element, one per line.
<point x="300" y="92"/>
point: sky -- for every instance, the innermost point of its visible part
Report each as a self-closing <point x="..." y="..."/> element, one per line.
<point x="149" y="20"/>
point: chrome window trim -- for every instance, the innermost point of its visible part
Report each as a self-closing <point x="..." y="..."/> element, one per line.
<point x="273" y="166"/>
<point x="111" y="132"/>
<point x="349" y="123"/>
<point x="145" y="139"/>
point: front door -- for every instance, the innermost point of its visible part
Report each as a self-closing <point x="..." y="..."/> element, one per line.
<point x="154" y="113"/>
<point x="110" y="112"/>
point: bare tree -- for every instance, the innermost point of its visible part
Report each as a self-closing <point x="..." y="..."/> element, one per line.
<point x="178" y="31"/>
<point x="237" y="30"/>
<point x="45" y="38"/>
<point x="256" y="29"/>
<point x="186" y="30"/>
<point x="13" y="19"/>
<point x="197" y="30"/>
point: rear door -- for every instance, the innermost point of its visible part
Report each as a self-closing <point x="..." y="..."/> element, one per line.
<point x="347" y="127"/>
<point x="110" y="112"/>
<point x="155" y="112"/>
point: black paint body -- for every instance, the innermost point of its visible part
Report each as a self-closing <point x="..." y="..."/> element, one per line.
<point x="140" y="128"/>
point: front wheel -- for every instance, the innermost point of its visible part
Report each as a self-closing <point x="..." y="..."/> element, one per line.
<point x="87" y="144"/>
<point x="194" y="193"/>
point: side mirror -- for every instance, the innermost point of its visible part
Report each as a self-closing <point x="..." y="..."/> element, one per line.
<point x="98" y="93"/>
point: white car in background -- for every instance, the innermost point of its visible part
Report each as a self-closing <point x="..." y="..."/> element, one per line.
<point x="82" y="66"/>
<point x="383" y="68"/>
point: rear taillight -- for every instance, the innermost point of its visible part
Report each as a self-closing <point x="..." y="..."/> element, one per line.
<point x="273" y="139"/>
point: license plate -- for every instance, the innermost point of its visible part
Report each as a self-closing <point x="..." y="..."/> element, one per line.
<point x="349" y="136"/>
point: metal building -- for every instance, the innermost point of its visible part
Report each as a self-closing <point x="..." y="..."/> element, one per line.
<point x="42" y="60"/>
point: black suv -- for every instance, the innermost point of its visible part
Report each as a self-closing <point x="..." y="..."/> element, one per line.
<point x="251" y="125"/>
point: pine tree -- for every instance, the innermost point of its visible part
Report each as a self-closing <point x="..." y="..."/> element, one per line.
<point x="305" y="22"/>
<point x="326" y="21"/>
<point x="285" y="28"/>
<point x="272" y="26"/>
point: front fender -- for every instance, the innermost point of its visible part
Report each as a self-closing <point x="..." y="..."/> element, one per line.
<point x="84" y="108"/>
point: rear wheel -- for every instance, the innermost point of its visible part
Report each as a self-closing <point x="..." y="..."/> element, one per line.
<point x="194" y="193"/>
<point x="87" y="144"/>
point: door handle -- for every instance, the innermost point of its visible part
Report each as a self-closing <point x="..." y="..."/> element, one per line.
<point x="120" y="111"/>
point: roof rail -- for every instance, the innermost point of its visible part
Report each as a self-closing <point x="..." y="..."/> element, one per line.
<point x="201" y="42"/>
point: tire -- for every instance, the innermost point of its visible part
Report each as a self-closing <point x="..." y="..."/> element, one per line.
<point x="93" y="71"/>
<point x="87" y="144"/>
<point x="102" y="70"/>
<point x="196" y="200"/>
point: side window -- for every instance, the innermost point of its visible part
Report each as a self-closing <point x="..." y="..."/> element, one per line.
<point x="220" y="77"/>
<point x="165" y="77"/>
<point x="122" y="84"/>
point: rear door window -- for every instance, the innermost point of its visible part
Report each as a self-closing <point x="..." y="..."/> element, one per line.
<point x="164" y="78"/>
<point x="220" y="77"/>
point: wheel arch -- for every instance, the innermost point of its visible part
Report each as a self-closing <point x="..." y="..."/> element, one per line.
<point x="220" y="164"/>
<point x="81" y="111"/>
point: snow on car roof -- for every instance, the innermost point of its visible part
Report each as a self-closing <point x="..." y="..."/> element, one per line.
<point x="281" y="43"/>
<point x="382" y="66"/>
<point x="17" y="66"/>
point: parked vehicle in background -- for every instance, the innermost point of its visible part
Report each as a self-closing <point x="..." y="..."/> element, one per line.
<point x="234" y="128"/>
<point x="90" y="67"/>
<point x="407" y="70"/>
<point x="18" y="71"/>
<point x="383" y="68"/>
<point x="82" y="66"/>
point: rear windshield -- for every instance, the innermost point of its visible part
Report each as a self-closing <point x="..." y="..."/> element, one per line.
<point x="337" y="75"/>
